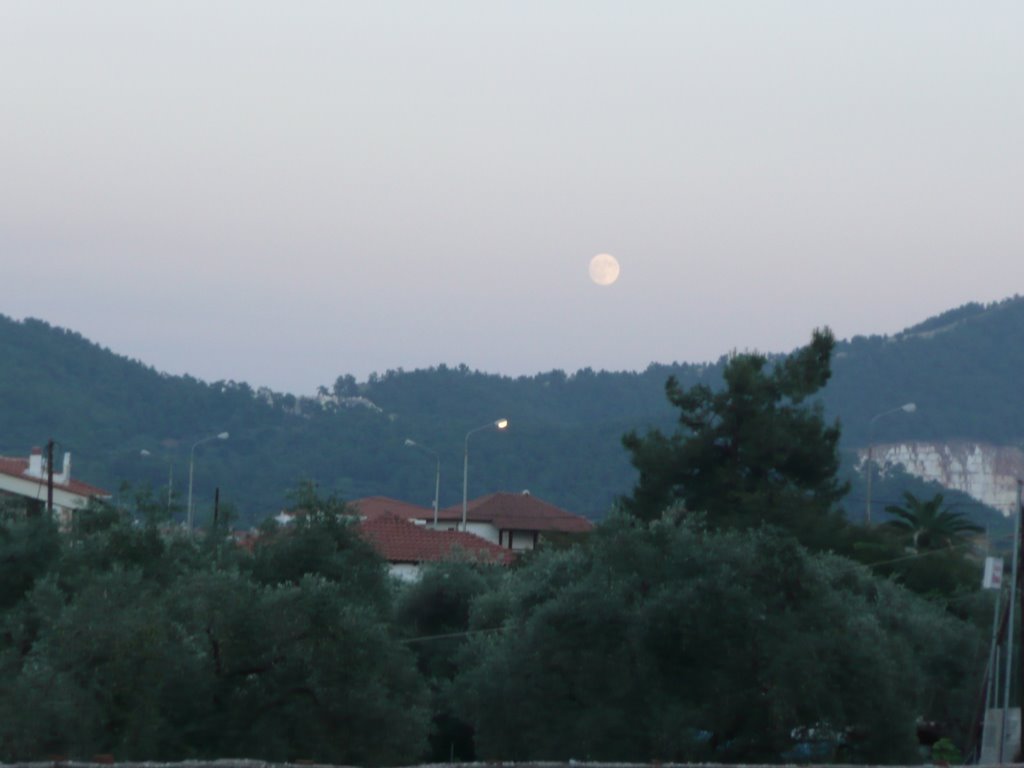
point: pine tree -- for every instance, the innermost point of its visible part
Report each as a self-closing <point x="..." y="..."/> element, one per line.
<point x="757" y="450"/>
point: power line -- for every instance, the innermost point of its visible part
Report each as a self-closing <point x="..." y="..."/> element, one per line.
<point x="467" y="633"/>
<point x="851" y="562"/>
<point x="917" y="555"/>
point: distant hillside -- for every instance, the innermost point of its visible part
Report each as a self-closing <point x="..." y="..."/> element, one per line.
<point x="962" y="368"/>
<point x="107" y="409"/>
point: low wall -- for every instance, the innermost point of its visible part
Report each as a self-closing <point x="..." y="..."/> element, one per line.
<point x="105" y="761"/>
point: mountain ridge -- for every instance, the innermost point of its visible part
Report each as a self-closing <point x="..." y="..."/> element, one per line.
<point x="564" y="444"/>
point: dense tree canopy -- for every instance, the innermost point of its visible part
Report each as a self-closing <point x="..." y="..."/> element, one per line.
<point x="756" y="451"/>
<point x="147" y="645"/>
<point x="711" y="620"/>
<point x="563" y="444"/>
<point x="674" y="642"/>
<point x="650" y="641"/>
<point x="433" y="616"/>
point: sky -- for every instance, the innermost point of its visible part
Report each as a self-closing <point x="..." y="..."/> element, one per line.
<point x="283" y="193"/>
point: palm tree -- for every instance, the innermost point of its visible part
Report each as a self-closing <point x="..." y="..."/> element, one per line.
<point x="927" y="525"/>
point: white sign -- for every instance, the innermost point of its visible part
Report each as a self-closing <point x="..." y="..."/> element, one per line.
<point x="993" y="573"/>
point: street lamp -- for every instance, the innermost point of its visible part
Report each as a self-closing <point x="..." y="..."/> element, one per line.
<point x="437" y="478"/>
<point x="499" y="424"/>
<point x="191" y="469"/>
<point x="906" y="408"/>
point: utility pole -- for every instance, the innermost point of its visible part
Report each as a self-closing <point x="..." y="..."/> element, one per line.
<point x="170" y="488"/>
<point x="49" y="478"/>
<point x="1020" y="595"/>
<point x="867" y="502"/>
<point x="906" y="408"/>
<point x="1009" y="629"/>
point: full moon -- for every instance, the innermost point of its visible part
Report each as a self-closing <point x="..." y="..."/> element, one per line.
<point x="604" y="269"/>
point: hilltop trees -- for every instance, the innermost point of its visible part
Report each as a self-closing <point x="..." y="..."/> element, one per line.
<point x="755" y="451"/>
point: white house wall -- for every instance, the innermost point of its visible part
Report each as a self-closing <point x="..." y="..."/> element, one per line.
<point x="485" y="531"/>
<point x="31" y="489"/>
<point x="521" y="540"/>
<point x="407" y="572"/>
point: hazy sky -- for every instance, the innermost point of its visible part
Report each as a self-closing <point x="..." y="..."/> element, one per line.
<point x="281" y="193"/>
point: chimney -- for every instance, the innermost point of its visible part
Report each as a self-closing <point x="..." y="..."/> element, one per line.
<point x="35" y="463"/>
<point x="65" y="471"/>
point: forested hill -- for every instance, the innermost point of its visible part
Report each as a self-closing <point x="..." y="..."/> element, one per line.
<point x="123" y="420"/>
<point x="963" y="368"/>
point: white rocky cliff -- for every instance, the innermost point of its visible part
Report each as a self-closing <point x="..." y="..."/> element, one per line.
<point x="987" y="472"/>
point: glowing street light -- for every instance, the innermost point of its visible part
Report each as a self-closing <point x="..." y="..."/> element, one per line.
<point x="191" y="469"/>
<point x="905" y="408"/>
<point x="499" y="424"/>
<point x="437" y="478"/>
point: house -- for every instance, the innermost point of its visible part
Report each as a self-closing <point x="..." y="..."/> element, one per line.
<point x="406" y="546"/>
<point x="517" y="521"/>
<point x="29" y="480"/>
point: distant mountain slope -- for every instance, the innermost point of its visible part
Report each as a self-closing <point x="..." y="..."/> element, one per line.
<point x="962" y="368"/>
<point x="107" y="410"/>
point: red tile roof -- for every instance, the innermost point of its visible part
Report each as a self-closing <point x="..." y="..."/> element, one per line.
<point x="375" y="506"/>
<point x="15" y="467"/>
<point x="400" y="541"/>
<point x="246" y="540"/>
<point x="518" y="512"/>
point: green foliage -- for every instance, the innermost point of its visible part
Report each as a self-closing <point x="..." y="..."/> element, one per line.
<point x="948" y="576"/>
<point x="945" y="751"/>
<point x="891" y="483"/>
<point x="119" y="638"/>
<point x="961" y="369"/>
<point x="663" y="641"/>
<point x="432" y="614"/>
<point x="106" y="409"/>
<point x="104" y="538"/>
<point x="673" y="642"/>
<point x="321" y="540"/>
<point x="437" y="608"/>
<point x="756" y="451"/>
<point x="297" y="670"/>
<point x="700" y="634"/>
<point x="29" y="547"/>
<point x="927" y="525"/>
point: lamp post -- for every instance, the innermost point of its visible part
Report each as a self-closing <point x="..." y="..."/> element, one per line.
<point x="499" y="424"/>
<point x="437" y="477"/>
<point x="906" y="408"/>
<point x="191" y="470"/>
